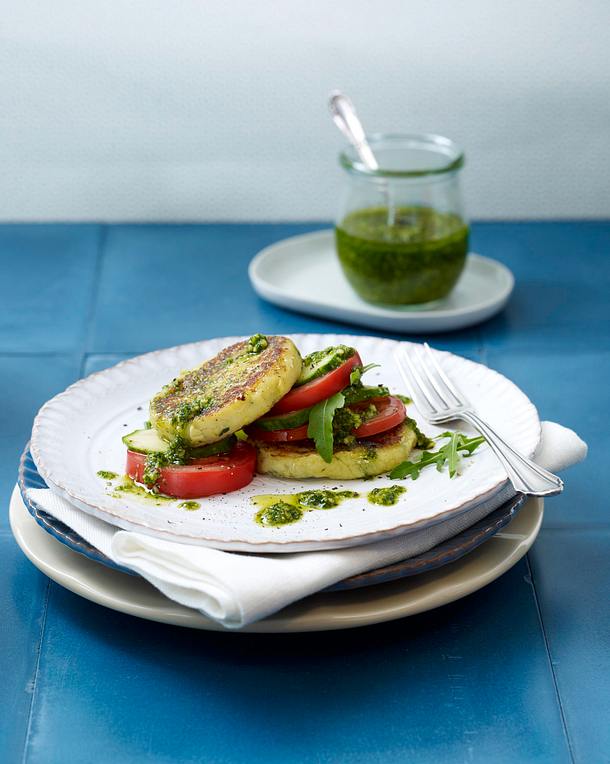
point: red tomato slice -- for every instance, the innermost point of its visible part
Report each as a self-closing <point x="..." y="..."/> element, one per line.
<point x="318" y="389"/>
<point x="390" y="413"/>
<point x="201" y="477"/>
<point x="278" y="436"/>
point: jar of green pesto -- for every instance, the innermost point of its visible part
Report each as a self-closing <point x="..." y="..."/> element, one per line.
<point x="401" y="233"/>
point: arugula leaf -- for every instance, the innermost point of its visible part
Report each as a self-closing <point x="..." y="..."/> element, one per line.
<point x="471" y="444"/>
<point x="452" y="453"/>
<point x="320" y="427"/>
<point x="358" y="371"/>
<point x="458" y="446"/>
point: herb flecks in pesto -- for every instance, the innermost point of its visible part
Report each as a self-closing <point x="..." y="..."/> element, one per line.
<point x="357" y="392"/>
<point x="423" y="441"/>
<point x="287" y="508"/>
<point x="322" y="499"/>
<point x="346" y="420"/>
<point x="190" y="506"/>
<point x="188" y="410"/>
<point x="257" y="343"/>
<point x="107" y="475"/>
<point x="280" y="513"/>
<point x="418" y="259"/>
<point x="175" y="454"/>
<point x="370" y="453"/>
<point x="321" y="362"/>
<point x="386" y="497"/>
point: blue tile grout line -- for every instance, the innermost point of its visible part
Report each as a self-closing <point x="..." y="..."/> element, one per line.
<point x="43" y="625"/>
<point x="549" y="706"/>
<point x="485" y="354"/>
<point x="547" y="648"/>
<point x="602" y="525"/>
<point x="94" y="295"/>
<point x="37" y="353"/>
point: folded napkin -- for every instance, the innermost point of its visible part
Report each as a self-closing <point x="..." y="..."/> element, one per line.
<point x="238" y="589"/>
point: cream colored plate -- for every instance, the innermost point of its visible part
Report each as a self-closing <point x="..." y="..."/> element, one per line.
<point x="321" y="612"/>
<point x="302" y="273"/>
<point x="79" y="432"/>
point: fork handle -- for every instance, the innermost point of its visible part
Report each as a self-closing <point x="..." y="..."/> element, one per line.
<point x="526" y="476"/>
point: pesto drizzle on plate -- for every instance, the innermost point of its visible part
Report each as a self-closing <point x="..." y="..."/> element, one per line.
<point x="107" y="475"/>
<point x="287" y="508"/>
<point x="387" y="496"/>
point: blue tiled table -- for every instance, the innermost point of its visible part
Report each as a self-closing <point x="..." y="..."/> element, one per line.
<point x="518" y="672"/>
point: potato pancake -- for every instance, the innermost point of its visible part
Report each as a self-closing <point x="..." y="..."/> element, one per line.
<point x="227" y="392"/>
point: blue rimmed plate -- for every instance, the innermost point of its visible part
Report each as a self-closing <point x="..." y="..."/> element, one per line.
<point x="443" y="554"/>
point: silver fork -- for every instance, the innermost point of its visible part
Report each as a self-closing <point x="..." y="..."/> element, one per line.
<point x="439" y="400"/>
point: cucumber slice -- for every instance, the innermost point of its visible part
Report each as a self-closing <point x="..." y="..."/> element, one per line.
<point x="221" y="447"/>
<point x="320" y="362"/>
<point x="150" y="442"/>
<point x="145" y="442"/>
<point x="285" y="421"/>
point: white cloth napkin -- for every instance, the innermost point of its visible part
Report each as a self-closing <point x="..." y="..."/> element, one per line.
<point x="238" y="589"/>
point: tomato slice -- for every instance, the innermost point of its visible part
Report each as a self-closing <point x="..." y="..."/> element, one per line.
<point x="318" y="389"/>
<point x="390" y="413"/>
<point x="201" y="477"/>
<point x="278" y="436"/>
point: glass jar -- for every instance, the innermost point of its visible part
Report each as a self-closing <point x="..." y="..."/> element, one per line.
<point x="401" y="234"/>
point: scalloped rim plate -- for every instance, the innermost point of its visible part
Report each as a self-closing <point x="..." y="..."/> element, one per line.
<point x="78" y="432"/>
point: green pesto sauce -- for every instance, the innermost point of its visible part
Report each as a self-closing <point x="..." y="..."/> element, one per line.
<point x="257" y="343"/>
<point x="320" y="362"/>
<point x="345" y="421"/>
<point x="416" y="260"/>
<point x="423" y="441"/>
<point x="188" y="410"/>
<point x="277" y="514"/>
<point x="132" y="489"/>
<point x="324" y="499"/>
<point x="287" y="508"/>
<point x="387" y="497"/>
<point x="190" y="506"/>
<point x="107" y="475"/>
<point x="177" y="452"/>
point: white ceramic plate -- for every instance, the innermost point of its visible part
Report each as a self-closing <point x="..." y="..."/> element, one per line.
<point x="303" y="274"/>
<point x="79" y="432"/>
<point x="321" y="612"/>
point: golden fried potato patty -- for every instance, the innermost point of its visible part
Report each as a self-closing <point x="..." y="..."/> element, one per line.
<point x="227" y="392"/>
<point x="291" y="460"/>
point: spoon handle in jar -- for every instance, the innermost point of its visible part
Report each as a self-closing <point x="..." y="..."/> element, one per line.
<point x="344" y="116"/>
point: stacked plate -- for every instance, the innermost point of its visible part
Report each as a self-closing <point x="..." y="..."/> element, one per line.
<point x="78" y="433"/>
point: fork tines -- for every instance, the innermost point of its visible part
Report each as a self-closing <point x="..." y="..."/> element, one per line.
<point x="431" y="389"/>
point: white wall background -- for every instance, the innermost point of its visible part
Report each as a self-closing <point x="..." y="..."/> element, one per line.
<point x="216" y="109"/>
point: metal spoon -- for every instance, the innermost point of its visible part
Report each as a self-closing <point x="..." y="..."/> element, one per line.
<point x="344" y="116"/>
